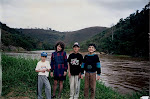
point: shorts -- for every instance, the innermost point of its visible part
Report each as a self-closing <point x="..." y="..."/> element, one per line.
<point x="60" y="78"/>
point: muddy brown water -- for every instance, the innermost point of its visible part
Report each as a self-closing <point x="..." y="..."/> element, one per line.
<point x="124" y="74"/>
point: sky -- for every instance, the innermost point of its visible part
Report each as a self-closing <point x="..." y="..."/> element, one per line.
<point x="66" y="15"/>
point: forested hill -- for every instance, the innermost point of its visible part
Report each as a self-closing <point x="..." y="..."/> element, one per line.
<point x="82" y="35"/>
<point x="45" y="39"/>
<point x="11" y="37"/>
<point x="130" y="36"/>
<point x="49" y="36"/>
<point x="52" y="36"/>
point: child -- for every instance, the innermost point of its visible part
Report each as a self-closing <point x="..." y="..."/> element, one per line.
<point x="59" y="67"/>
<point x="43" y="68"/>
<point x="90" y="64"/>
<point x="74" y="69"/>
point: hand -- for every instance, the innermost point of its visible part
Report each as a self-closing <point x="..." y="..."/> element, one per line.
<point x="46" y="69"/>
<point x="43" y="70"/>
<point x="98" y="77"/>
<point x="69" y="74"/>
<point x="65" y="73"/>
<point x="51" y="74"/>
<point x="81" y="76"/>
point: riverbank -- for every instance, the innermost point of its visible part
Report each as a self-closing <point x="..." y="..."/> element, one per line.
<point x="20" y="50"/>
<point x="20" y="80"/>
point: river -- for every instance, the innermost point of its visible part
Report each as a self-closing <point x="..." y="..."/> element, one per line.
<point x="124" y="74"/>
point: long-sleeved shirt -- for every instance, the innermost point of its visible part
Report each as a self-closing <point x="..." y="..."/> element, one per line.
<point x="59" y="63"/>
<point x="91" y="64"/>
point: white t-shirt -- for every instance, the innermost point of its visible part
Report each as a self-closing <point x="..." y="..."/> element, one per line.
<point x="43" y="65"/>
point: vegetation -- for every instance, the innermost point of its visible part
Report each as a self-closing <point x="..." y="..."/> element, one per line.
<point x="52" y="36"/>
<point x="81" y="35"/>
<point x="20" y="80"/>
<point x="42" y="39"/>
<point x="130" y="36"/>
<point x="15" y="38"/>
<point x="49" y="36"/>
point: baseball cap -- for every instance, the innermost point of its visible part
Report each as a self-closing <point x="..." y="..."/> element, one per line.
<point x="44" y="54"/>
<point x="76" y="44"/>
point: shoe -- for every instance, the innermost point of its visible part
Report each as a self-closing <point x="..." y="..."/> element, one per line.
<point x="53" y="97"/>
<point x="71" y="98"/>
<point x="59" y="97"/>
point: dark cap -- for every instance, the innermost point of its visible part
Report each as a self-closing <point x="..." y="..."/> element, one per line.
<point x="76" y="44"/>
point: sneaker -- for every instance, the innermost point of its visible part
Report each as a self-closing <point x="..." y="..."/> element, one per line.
<point x="59" y="97"/>
<point x="71" y="98"/>
<point x="53" y="97"/>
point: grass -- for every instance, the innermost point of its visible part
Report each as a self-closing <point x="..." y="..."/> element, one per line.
<point x="20" y="80"/>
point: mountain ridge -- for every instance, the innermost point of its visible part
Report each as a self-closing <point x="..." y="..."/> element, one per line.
<point x="52" y="36"/>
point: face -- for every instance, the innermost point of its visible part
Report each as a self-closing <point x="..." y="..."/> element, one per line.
<point x="91" y="49"/>
<point x="43" y="58"/>
<point x="76" y="49"/>
<point x="59" y="48"/>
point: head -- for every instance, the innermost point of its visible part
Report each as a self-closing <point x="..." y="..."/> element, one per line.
<point x="76" y="47"/>
<point x="43" y="56"/>
<point x="59" y="46"/>
<point x="92" y="48"/>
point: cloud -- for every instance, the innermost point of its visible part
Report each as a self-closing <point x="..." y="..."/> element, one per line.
<point x="120" y="4"/>
<point x="66" y="15"/>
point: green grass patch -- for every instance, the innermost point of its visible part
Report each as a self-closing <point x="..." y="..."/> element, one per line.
<point x="20" y="79"/>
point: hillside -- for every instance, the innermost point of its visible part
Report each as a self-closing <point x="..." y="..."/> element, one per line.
<point x="82" y="35"/>
<point x="52" y="36"/>
<point x="13" y="39"/>
<point x="49" y="36"/>
<point x="36" y="39"/>
<point x="130" y="36"/>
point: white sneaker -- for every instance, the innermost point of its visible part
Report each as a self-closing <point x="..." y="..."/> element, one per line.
<point x="71" y="98"/>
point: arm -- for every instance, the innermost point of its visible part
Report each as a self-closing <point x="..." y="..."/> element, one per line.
<point x="65" y="64"/>
<point x="48" y="67"/>
<point x="98" y="68"/>
<point x="82" y="70"/>
<point x="37" y="69"/>
<point x="48" y="70"/>
<point x="41" y="70"/>
<point x="69" y="60"/>
<point x="69" y="74"/>
<point x="82" y="67"/>
<point x="52" y="64"/>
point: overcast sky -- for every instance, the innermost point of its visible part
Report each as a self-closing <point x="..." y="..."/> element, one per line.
<point x="66" y="15"/>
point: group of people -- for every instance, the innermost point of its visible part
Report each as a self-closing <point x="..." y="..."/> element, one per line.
<point x="75" y="65"/>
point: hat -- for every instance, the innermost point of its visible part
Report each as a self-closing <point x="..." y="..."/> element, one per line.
<point x="76" y="44"/>
<point x="44" y="54"/>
